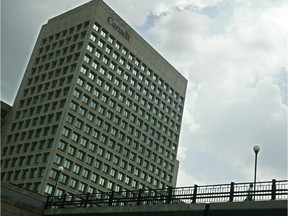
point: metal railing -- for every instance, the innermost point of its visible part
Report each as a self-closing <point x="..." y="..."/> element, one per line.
<point x="269" y="190"/>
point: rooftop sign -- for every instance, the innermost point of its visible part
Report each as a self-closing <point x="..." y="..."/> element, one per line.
<point x="125" y="34"/>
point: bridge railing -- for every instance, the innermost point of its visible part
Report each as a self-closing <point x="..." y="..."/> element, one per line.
<point x="233" y="192"/>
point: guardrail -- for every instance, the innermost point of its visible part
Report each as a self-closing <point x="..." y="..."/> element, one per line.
<point x="269" y="190"/>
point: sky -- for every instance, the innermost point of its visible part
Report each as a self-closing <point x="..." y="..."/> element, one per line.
<point x="234" y="56"/>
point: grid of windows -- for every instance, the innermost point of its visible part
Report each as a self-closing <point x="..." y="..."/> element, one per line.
<point x="43" y="96"/>
<point x="122" y="125"/>
<point x="124" y="105"/>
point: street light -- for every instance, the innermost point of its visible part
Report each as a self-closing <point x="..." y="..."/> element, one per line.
<point x="256" y="149"/>
<point x="60" y="170"/>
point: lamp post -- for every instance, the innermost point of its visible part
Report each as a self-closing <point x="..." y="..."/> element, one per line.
<point x="256" y="149"/>
<point x="60" y="170"/>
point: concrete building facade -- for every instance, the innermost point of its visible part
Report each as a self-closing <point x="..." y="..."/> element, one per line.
<point x="99" y="101"/>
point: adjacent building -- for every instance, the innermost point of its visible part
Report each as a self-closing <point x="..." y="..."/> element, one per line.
<point x="5" y="110"/>
<point x="98" y="100"/>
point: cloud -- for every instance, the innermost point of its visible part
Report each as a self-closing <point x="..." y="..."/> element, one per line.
<point x="234" y="99"/>
<point x="139" y="11"/>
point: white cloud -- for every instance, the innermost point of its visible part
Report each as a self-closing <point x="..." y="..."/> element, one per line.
<point x="233" y="100"/>
<point x="140" y="10"/>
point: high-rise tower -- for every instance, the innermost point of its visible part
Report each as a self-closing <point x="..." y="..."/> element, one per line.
<point x="99" y="101"/>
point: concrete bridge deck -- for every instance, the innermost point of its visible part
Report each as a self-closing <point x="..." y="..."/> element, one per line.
<point x="253" y="208"/>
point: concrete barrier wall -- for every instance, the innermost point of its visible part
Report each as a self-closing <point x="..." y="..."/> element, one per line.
<point x="16" y="201"/>
<point x="261" y="208"/>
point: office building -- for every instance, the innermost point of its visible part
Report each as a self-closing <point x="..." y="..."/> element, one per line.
<point x="99" y="101"/>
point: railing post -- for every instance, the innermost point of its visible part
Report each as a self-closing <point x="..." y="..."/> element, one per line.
<point x="231" y="195"/>
<point x="273" y="189"/>
<point x="63" y="201"/>
<point x="169" y="196"/>
<point x="47" y="205"/>
<point x="87" y="199"/>
<point x="111" y="197"/>
<point x="139" y="198"/>
<point x="194" y="194"/>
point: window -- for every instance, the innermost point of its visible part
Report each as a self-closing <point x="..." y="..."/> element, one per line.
<point x="73" y="183"/>
<point x="90" y="48"/>
<point x="122" y="61"/>
<point x="83" y="70"/>
<point x="100" y="151"/>
<point x="100" y="43"/>
<point x="83" y="141"/>
<point x="94" y="177"/>
<point x="127" y="180"/>
<point x="93" y="104"/>
<point x="76" y="93"/>
<point x="98" y="54"/>
<point x="110" y="40"/>
<point x="109" y="185"/>
<point x="82" y="111"/>
<point x="109" y="114"/>
<point x="85" y="173"/>
<point x="112" y="172"/>
<point x="91" y="76"/>
<point x="117" y="45"/>
<point x="67" y="164"/>
<point x="48" y="189"/>
<point x="75" y="137"/>
<point x="87" y="129"/>
<point x="82" y="187"/>
<point x="95" y="134"/>
<point x="76" y="169"/>
<point x="92" y="147"/>
<point x="99" y="82"/>
<point x="73" y="106"/>
<point x="61" y="145"/>
<point x="65" y="132"/>
<point x="102" y="70"/>
<point x="103" y="33"/>
<point x="115" y="55"/>
<point x="120" y="176"/>
<point x="94" y="65"/>
<point x="105" y="60"/>
<point x="103" y="138"/>
<point x="89" y="159"/>
<point x="115" y="160"/>
<point x="93" y="37"/>
<point x="123" y="164"/>
<point x="102" y="181"/>
<point x="87" y="59"/>
<point x="107" y="87"/>
<point x="98" y="164"/>
<point x="58" y="159"/>
<point x="112" y="66"/>
<point x="96" y="26"/>
<point x="71" y="150"/>
<point x="78" y="123"/>
<point x="80" y="155"/>
<point x="108" y="49"/>
<point x="105" y="168"/>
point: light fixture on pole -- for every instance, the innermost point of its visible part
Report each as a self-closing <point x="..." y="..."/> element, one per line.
<point x="59" y="171"/>
<point x="256" y="149"/>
